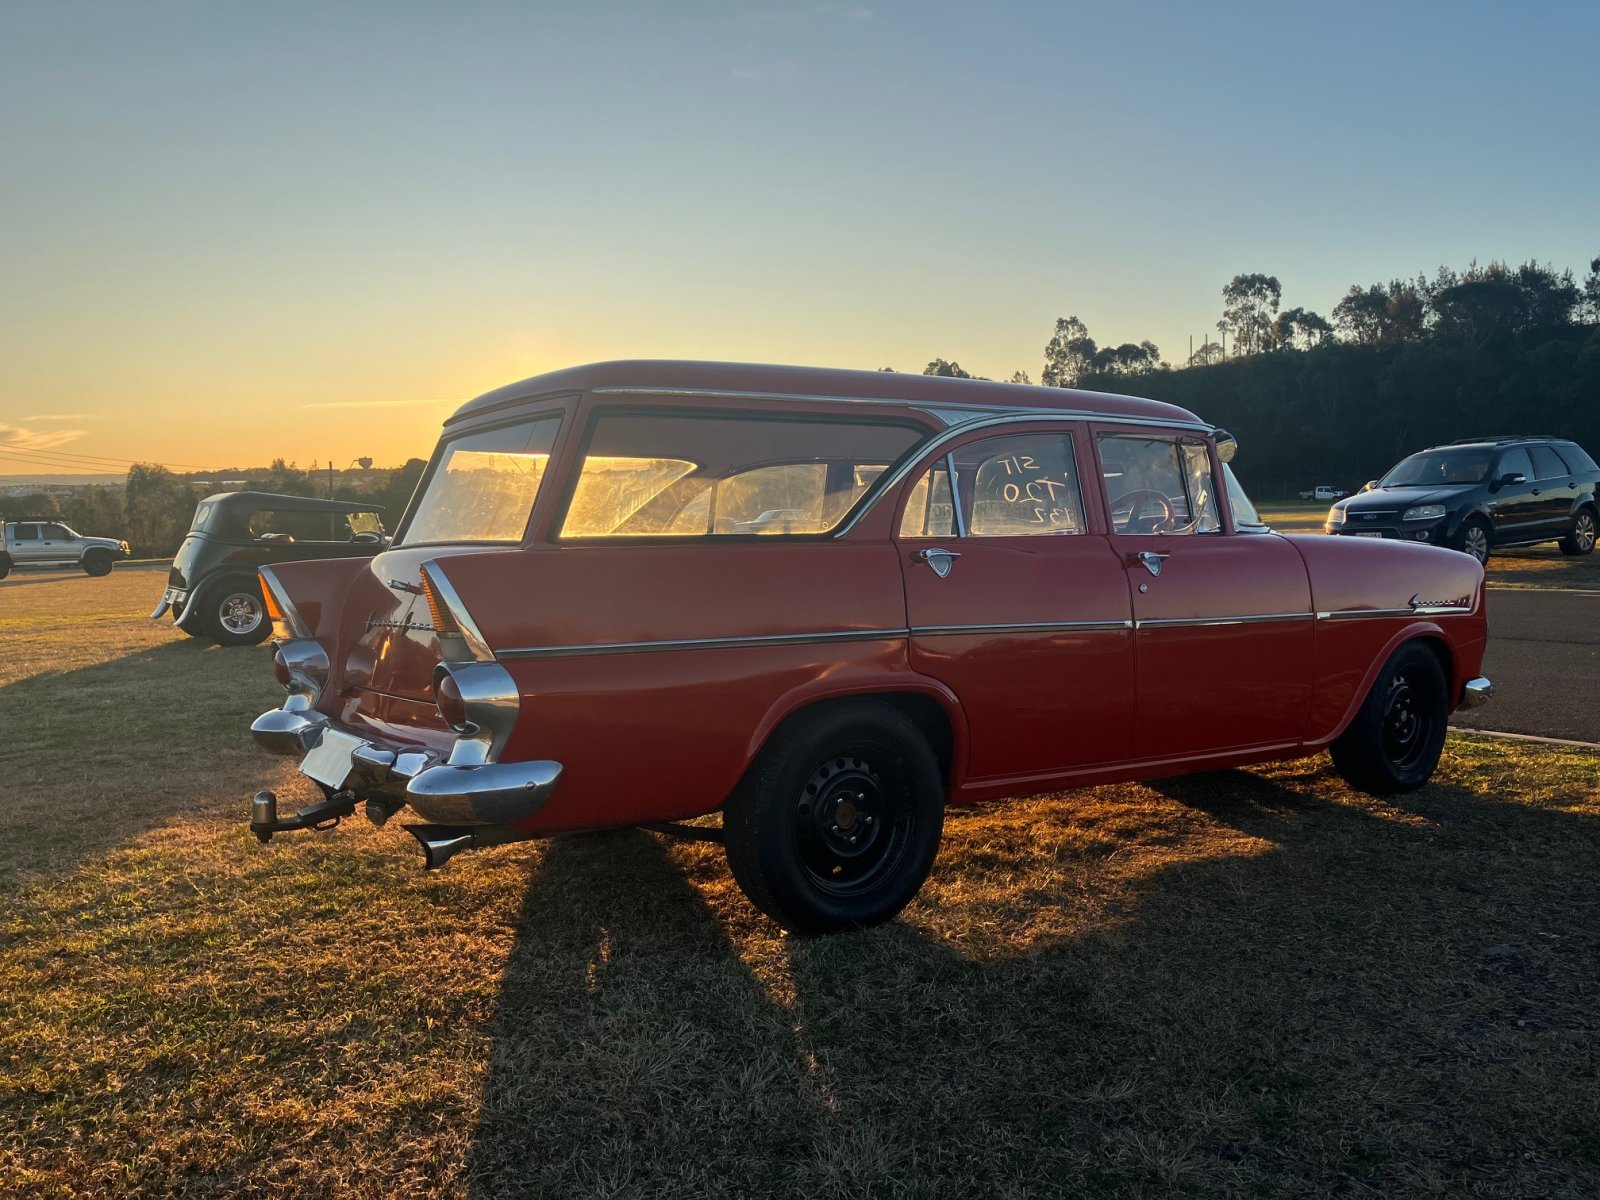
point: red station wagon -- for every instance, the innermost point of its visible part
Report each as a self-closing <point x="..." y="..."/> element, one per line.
<point x="829" y="603"/>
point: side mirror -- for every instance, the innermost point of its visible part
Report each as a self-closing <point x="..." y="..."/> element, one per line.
<point x="1510" y="477"/>
<point x="1369" y="485"/>
<point x="1227" y="447"/>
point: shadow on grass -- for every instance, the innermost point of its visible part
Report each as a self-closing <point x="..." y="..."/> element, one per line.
<point x="91" y="757"/>
<point x="1359" y="997"/>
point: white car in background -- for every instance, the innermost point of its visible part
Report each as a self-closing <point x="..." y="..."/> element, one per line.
<point x="52" y="544"/>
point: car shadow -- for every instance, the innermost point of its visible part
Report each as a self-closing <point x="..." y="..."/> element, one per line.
<point x="1358" y="997"/>
<point x="168" y="729"/>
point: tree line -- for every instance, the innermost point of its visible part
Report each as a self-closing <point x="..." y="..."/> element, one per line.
<point x="1395" y="366"/>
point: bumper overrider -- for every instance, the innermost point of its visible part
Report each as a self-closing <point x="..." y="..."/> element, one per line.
<point x="1475" y="693"/>
<point x="470" y="795"/>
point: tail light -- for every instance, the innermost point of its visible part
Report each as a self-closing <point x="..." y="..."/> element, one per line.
<point x="460" y="638"/>
<point x="452" y="707"/>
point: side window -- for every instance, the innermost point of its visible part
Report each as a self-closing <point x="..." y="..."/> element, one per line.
<point x="1020" y="486"/>
<point x="1547" y="465"/>
<point x="57" y="533"/>
<point x="27" y="533"/>
<point x="930" y="509"/>
<point x="1515" y="462"/>
<point x="1159" y="485"/>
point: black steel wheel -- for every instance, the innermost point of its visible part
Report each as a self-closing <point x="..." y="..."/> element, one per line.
<point x="1580" y="538"/>
<point x="97" y="562"/>
<point x="1475" y="539"/>
<point x="1394" y="742"/>
<point x="837" y="822"/>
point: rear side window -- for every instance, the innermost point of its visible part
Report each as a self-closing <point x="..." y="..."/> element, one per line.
<point x="705" y="475"/>
<point x="1546" y="463"/>
<point x="1577" y="457"/>
<point x="484" y="486"/>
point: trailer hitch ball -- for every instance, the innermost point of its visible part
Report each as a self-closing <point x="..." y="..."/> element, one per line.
<point x="264" y="816"/>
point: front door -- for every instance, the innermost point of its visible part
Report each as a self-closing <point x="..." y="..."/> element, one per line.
<point x="1224" y="624"/>
<point x="1017" y="602"/>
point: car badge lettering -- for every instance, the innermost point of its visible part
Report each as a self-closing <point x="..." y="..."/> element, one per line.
<point x="374" y="623"/>
<point x="1459" y="602"/>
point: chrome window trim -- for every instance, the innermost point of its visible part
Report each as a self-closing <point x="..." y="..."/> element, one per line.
<point x="959" y="517"/>
<point x="477" y="644"/>
<point x="769" y="639"/>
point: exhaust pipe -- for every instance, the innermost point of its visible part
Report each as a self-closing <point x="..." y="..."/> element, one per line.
<point x="441" y="843"/>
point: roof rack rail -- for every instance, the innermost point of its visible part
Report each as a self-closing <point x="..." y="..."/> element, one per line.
<point x="1501" y="437"/>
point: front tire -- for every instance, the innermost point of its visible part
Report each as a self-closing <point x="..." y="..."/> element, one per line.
<point x="236" y="615"/>
<point x="1476" y="539"/>
<point x="1393" y="745"/>
<point x="837" y="822"/>
<point x="97" y="562"/>
<point x="1580" y="538"/>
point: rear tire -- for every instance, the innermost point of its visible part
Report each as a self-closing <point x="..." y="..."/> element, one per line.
<point x="235" y="615"/>
<point x="1580" y="538"/>
<point x="837" y="822"/>
<point x="1393" y="745"/>
<point x="1476" y="539"/>
<point x="97" y="562"/>
<point x="5" y="565"/>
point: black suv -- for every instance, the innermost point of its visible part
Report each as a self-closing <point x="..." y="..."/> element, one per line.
<point x="1479" y="494"/>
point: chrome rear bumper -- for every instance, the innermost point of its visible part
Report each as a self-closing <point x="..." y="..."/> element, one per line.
<point x="449" y="793"/>
<point x="1475" y="693"/>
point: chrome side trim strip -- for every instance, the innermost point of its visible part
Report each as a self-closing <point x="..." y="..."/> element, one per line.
<point x="1353" y="614"/>
<point x="773" y="639"/>
<point x="1256" y="619"/>
<point x="1020" y="627"/>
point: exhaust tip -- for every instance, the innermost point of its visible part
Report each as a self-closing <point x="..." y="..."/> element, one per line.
<point x="441" y="843"/>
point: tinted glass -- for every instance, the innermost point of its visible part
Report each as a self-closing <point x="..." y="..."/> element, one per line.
<point x="1432" y="468"/>
<point x="1577" y="458"/>
<point x="485" y="485"/>
<point x="930" y="509"/>
<point x="56" y="532"/>
<point x="655" y="474"/>
<point x="27" y="533"/>
<point x="1546" y="465"/>
<point x="1020" y="486"/>
<point x="1515" y="462"/>
<point x="1158" y="485"/>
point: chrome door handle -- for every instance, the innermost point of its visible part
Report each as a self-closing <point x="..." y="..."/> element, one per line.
<point x="1148" y="559"/>
<point x="939" y="559"/>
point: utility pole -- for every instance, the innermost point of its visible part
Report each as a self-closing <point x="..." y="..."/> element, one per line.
<point x="330" y="479"/>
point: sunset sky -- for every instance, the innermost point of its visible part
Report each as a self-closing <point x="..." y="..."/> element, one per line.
<point x="239" y="231"/>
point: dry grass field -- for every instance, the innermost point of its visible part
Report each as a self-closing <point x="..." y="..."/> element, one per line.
<point x="1520" y="567"/>
<point x="1254" y="983"/>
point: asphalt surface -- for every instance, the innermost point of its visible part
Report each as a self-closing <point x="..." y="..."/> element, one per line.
<point x="1544" y="660"/>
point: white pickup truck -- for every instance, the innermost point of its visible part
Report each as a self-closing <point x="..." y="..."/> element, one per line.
<point x="50" y="543"/>
<point x="1323" y="493"/>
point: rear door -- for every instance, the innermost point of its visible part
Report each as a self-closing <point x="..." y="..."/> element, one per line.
<point x="1224" y="624"/>
<point x="1017" y="602"/>
<point x="27" y="543"/>
<point x="1554" y="488"/>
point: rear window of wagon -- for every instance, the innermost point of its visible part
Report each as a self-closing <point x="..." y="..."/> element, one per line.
<point x="702" y="475"/>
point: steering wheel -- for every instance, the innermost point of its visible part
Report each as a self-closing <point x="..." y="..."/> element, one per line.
<point x="367" y="538"/>
<point x="1135" y="502"/>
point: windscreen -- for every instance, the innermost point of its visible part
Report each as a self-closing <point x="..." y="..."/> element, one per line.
<point x="484" y="485"/>
<point x="1433" y="468"/>
<point x="703" y="475"/>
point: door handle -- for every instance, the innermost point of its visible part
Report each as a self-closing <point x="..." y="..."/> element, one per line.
<point x="1148" y="559"/>
<point x="1536" y="491"/>
<point x="939" y="559"/>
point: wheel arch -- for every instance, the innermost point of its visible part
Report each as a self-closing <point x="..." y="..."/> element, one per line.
<point x="1427" y="632"/>
<point x="931" y="706"/>
<point x="190" y="620"/>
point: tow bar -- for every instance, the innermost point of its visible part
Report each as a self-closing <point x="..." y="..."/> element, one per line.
<point x="264" y="819"/>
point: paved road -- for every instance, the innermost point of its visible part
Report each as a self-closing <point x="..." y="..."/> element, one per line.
<point x="1544" y="659"/>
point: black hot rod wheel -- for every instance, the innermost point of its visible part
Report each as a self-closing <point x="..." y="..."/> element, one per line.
<point x="1393" y="744"/>
<point x="837" y="823"/>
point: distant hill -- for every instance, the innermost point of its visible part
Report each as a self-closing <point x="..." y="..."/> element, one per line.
<point x="15" y="481"/>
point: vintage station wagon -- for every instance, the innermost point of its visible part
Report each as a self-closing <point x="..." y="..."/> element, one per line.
<point x="829" y="603"/>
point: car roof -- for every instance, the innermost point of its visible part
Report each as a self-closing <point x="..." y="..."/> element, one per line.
<point x="673" y="377"/>
<point x="257" y="500"/>
<point x="1499" y="440"/>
